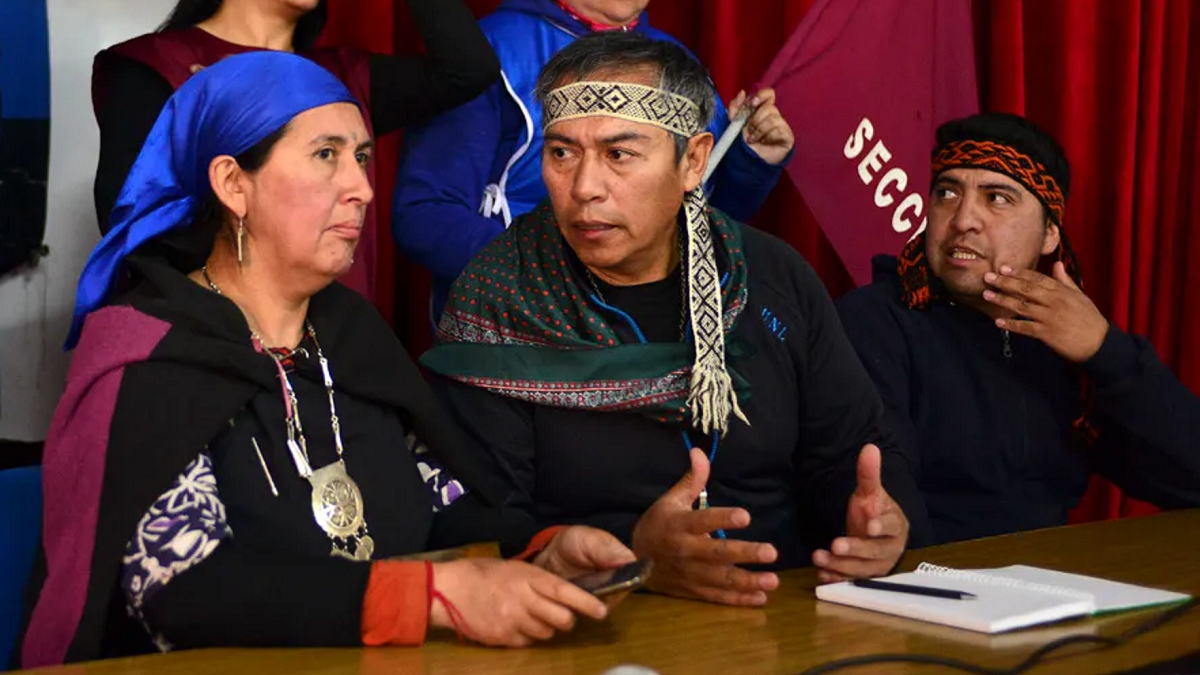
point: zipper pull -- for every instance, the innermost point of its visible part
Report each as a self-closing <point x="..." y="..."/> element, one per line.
<point x="1007" y="346"/>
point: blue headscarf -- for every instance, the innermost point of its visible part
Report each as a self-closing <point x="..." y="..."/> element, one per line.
<point x="225" y="109"/>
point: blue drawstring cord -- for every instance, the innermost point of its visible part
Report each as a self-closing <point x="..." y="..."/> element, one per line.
<point x="637" y="330"/>
<point x="712" y="454"/>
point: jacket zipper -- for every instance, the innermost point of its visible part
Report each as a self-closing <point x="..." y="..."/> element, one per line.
<point x="1024" y="454"/>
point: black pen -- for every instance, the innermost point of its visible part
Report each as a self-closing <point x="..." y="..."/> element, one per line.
<point x="915" y="590"/>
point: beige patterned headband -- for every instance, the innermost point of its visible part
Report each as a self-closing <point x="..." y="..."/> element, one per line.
<point x="634" y="102"/>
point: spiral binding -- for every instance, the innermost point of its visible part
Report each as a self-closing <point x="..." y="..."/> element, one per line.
<point x="1006" y="582"/>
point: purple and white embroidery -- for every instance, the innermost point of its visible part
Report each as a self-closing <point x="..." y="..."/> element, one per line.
<point x="444" y="488"/>
<point x="182" y="528"/>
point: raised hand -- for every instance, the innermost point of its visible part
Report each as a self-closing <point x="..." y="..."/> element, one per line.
<point x="876" y="528"/>
<point x="1053" y="310"/>
<point x="690" y="563"/>
<point x="767" y="133"/>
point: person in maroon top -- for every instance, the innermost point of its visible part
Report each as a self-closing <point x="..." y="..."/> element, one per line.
<point x="132" y="81"/>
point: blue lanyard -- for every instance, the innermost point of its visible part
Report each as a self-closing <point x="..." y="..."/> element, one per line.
<point x="687" y="440"/>
<point x="712" y="455"/>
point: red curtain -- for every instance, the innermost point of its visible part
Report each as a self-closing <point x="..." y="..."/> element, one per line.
<point x="371" y="25"/>
<point x="1117" y="82"/>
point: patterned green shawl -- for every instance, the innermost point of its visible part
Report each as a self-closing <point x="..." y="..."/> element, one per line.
<point x="520" y="323"/>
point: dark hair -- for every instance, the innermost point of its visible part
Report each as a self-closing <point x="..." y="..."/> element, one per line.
<point x="607" y="51"/>
<point x="188" y="247"/>
<point x="188" y="13"/>
<point x="1015" y="131"/>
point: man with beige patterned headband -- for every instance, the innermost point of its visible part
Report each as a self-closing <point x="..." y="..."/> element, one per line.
<point x="625" y="334"/>
<point x="468" y="173"/>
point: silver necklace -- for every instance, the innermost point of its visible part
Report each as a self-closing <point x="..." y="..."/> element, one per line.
<point x="337" y="502"/>
<point x="208" y="280"/>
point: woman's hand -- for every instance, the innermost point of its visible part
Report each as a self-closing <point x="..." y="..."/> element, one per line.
<point x="506" y="603"/>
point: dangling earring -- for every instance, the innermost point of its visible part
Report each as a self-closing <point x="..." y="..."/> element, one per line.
<point x="241" y="231"/>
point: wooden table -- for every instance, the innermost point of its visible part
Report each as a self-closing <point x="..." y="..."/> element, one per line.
<point x="795" y="632"/>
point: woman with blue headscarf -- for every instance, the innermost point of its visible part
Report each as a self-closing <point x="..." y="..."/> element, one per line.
<point x="243" y="444"/>
<point x="132" y="81"/>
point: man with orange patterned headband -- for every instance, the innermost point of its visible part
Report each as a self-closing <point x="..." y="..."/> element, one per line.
<point x="1004" y="383"/>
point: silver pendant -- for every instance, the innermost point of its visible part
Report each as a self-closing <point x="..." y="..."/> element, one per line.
<point x="337" y="502"/>
<point x="365" y="548"/>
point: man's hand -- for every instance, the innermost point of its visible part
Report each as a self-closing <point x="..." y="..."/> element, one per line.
<point x="766" y="132"/>
<point x="578" y="550"/>
<point x="688" y="562"/>
<point x="876" y="529"/>
<point x="1053" y="310"/>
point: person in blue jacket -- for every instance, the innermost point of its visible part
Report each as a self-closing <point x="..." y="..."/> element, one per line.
<point x="465" y="176"/>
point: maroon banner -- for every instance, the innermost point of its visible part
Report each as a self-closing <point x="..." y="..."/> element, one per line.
<point x="864" y="84"/>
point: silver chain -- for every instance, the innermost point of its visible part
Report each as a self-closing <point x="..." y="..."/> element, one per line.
<point x="333" y="416"/>
<point x="207" y="279"/>
<point x="295" y="429"/>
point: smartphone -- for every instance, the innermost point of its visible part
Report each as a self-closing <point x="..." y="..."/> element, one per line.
<point x="607" y="582"/>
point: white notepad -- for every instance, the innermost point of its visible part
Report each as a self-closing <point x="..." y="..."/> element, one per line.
<point x="1006" y="598"/>
<point x="1109" y="596"/>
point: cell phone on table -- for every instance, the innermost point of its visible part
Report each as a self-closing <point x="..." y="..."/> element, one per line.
<point x="606" y="582"/>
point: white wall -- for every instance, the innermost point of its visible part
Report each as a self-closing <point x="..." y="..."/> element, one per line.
<point x="35" y="306"/>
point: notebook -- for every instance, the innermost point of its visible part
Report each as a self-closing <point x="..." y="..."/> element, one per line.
<point x="1109" y="596"/>
<point x="1028" y="639"/>
<point x="1006" y="598"/>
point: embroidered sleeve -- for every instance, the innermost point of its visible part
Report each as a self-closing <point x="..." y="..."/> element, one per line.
<point x="444" y="488"/>
<point x="182" y="528"/>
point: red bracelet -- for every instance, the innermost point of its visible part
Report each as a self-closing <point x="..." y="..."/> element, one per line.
<point x="456" y="618"/>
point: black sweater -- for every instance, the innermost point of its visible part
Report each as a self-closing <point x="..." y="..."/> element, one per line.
<point x="811" y="409"/>
<point x="457" y="66"/>
<point x="990" y="436"/>
<point x="273" y="582"/>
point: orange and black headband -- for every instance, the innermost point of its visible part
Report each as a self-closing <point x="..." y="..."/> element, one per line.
<point x="1009" y="161"/>
<point x="914" y="271"/>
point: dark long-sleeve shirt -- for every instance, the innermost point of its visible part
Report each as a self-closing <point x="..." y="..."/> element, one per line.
<point x="811" y="409"/>
<point x="458" y="64"/>
<point x="990" y="435"/>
